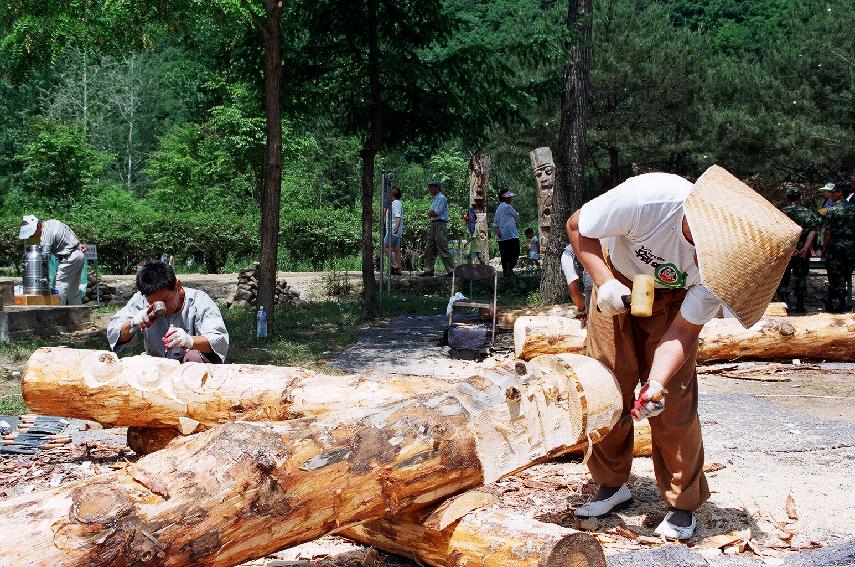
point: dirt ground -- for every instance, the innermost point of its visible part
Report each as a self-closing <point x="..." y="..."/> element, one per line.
<point x="766" y="442"/>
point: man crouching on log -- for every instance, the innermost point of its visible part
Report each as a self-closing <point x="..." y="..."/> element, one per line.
<point x="713" y="242"/>
<point x="176" y="322"/>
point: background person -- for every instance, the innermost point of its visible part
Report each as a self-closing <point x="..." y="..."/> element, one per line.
<point x="58" y="239"/>
<point x="664" y="226"/>
<point x="191" y="330"/>
<point x="581" y="299"/>
<point x="437" y="234"/>
<point x="799" y="265"/>
<point x="839" y="249"/>
<point x="397" y="230"/>
<point x="505" y="220"/>
<point x="533" y="245"/>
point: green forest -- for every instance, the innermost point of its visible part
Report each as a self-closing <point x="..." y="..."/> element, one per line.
<point x="142" y="124"/>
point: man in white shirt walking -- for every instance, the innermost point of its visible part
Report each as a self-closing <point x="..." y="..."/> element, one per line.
<point x="713" y="242"/>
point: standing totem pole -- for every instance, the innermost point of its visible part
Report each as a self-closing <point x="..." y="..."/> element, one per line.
<point x="544" y="176"/>
<point x="479" y="171"/>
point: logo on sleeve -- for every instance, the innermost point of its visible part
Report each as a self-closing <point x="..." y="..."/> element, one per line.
<point x="669" y="275"/>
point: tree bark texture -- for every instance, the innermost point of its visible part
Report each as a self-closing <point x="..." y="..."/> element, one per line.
<point x="489" y="537"/>
<point x="243" y="490"/>
<point x="823" y="336"/>
<point x="144" y="391"/>
<point x="479" y="175"/>
<point x="570" y="162"/>
<point x="269" y="28"/>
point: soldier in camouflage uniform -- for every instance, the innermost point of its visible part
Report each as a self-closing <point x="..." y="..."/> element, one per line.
<point x="800" y="263"/>
<point x="839" y="227"/>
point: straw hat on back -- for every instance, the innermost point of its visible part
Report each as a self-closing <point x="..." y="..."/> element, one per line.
<point x="742" y="241"/>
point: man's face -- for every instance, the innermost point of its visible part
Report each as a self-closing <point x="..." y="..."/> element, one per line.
<point x="433" y="190"/>
<point x="836" y="195"/>
<point x="172" y="298"/>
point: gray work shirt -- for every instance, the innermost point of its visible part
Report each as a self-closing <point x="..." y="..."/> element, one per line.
<point x="199" y="316"/>
<point x="439" y="205"/>
<point x="58" y="238"/>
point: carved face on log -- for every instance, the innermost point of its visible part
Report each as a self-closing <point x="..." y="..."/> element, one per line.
<point x="545" y="177"/>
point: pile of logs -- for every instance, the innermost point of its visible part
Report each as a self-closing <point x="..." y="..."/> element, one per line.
<point x="379" y="460"/>
<point x="107" y="292"/>
<point x="823" y="337"/>
<point x="247" y="287"/>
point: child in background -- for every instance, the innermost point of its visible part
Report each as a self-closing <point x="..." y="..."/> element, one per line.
<point x="533" y="245"/>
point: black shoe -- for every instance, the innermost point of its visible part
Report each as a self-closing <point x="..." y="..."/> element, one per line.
<point x="800" y="306"/>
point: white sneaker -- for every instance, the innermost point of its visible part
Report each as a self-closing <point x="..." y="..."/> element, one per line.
<point x="598" y="508"/>
<point x="670" y="531"/>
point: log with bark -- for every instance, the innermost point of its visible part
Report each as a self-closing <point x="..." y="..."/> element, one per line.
<point x="144" y="391"/>
<point x="478" y="537"/>
<point x="243" y="490"/>
<point x="507" y="316"/>
<point x="823" y="336"/>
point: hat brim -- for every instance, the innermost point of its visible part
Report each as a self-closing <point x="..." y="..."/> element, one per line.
<point x="743" y="242"/>
<point x="27" y="230"/>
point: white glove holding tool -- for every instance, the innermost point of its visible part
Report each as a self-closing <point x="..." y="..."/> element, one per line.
<point x="650" y="402"/>
<point x="143" y="318"/>
<point x="177" y="337"/>
<point x="610" y="296"/>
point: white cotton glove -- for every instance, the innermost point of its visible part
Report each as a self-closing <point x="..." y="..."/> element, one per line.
<point x="610" y="298"/>
<point x="177" y="337"/>
<point x="142" y="319"/>
<point x="644" y="406"/>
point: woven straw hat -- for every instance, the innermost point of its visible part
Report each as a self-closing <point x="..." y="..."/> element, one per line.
<point x="742" y="241"/>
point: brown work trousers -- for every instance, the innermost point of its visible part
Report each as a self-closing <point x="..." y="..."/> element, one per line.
<point x="625" y="344"/>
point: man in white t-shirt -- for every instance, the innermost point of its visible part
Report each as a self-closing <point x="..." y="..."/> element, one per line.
<point x="706" y="244"/>
<point x="580" y="298"/>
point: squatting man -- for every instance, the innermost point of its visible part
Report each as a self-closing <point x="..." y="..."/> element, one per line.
<point x="712" y="244"/>
<point x="190" y="327"/>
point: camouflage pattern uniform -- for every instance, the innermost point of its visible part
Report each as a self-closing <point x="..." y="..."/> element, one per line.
<point x="798" y="267"/>
<point x="840" y="253"/>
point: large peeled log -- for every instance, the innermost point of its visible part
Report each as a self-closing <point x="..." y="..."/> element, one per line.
<point x="145" y="391"/>
<point x="822" y="336"/>
<point x="489" y="537"/>
<point x="243" y="490"/>
<point x="507" y="316"/>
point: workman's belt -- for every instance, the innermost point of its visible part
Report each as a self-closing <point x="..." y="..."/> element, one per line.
<point x="657" y="292"/>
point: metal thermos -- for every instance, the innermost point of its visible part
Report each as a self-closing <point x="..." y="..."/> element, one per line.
<point x="36" y="275"/>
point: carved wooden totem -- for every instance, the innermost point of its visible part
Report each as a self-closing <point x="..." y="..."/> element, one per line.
<point x="544" y="175"/>
<point x="479" y="172"/>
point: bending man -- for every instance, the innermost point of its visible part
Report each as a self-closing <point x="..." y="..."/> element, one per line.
<point x="713" y="242"/>
<point x="191" y="328"/>
<point x="58" y="239"/>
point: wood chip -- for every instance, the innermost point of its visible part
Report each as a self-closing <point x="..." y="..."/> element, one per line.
<point x="735" y="538"/>
<point x="712" y="467"/>
<point x="587" y="524"/>
<point x="623" y="530"/>
<point x="791" y="508"/>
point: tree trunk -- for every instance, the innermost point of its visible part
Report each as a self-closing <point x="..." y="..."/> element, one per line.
<point x="570" y="164"/>
<point x="481" y="538"/>
<point x="369" y="151"/>
<point x="479" y="175"/>
<point x="143" y="391"/>
<point x="243" y="490"/>
<point x="271" y="195"/>
<point x="538" y="335"/>
<point x="823" y="336"/>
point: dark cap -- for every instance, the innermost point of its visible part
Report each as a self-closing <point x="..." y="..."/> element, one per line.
<point x="845" y="186"/>
<point x="434" y="183"/>
<point x="793" y="191"/>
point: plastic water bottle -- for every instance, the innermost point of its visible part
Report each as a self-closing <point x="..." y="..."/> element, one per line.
<point x="261" y="323"/>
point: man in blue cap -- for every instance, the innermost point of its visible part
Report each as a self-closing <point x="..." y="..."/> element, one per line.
<point x="437" y="233"/>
